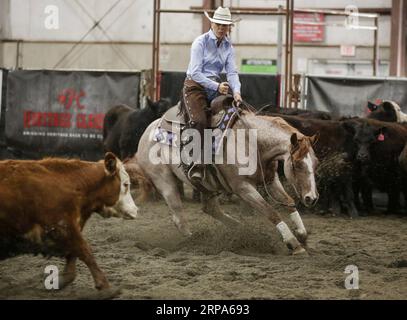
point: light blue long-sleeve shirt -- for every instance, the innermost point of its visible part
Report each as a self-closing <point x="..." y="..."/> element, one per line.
<point x="208" y="61"/>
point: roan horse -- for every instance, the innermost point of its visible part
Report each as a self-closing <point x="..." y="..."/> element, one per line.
<point x="276" y="140"/>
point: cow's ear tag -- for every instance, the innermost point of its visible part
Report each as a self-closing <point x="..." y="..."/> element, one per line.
<point x="380" y="137"/>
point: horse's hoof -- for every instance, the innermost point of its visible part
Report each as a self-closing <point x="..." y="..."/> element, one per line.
<point x="186" y="233"/>
<point x="233" y="224"/>
<point x="183" y="228"/>
<point x="300" y="251"/>
<point x="109" y="293"/>
<point x="301" y="237"/>
<point x="64" y="281"/>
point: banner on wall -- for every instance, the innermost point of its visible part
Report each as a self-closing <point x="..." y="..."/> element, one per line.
<point x="1" y="86"/>
<point x="348" y="96"/>
<point x="257" y="89"/>
<point x="62" y="112"/>
<point x="259" y="66"/>
<point x="308" y="27"/>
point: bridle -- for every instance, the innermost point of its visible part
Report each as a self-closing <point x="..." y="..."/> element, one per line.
<point x="251" y="108"/>
<point x="293" y="170"/>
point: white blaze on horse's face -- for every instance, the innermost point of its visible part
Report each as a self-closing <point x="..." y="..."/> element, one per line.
<point x="301" y="175"/>
<point x="311" y="193"/>
<point x="125" y="203"/>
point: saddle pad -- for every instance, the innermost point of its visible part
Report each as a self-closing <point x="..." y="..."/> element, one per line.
<point x="166" y="137"/>
<point x="163" y="135"/>
<point x="226" y="122"/>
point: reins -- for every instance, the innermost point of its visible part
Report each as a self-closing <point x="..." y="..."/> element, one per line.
<point x="251" y="108"/>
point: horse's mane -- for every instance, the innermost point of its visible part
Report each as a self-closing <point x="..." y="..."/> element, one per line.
<point x="283" y="125"/>
<point x="303" y="146"/>
<point x="301" y="150"/>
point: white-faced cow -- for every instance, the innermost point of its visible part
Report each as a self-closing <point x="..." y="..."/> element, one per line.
<point x="387" y="110"/>
<point x="45" y="204"/>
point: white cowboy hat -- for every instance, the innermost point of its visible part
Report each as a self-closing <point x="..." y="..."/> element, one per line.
<point x="222" y="16"/>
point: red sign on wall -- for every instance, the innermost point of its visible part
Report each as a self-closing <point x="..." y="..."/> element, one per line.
<point x="306" y="28"/>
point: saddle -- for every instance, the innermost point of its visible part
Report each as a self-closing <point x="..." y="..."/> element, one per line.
<point x="172" y="123"/>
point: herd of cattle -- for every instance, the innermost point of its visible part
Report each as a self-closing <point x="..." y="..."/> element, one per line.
<point x="45" y="204"/>
<point x="358" y="155"/>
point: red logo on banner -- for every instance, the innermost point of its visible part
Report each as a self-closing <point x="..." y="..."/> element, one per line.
<point x="68" y="96"/>
<point x="47" y="119"/>
<point x="308" y="27"/>
<point x="70" y="99"/>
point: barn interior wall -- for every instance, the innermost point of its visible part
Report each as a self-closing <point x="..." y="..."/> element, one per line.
<point x="172" y="57"/>
<point x="129" y="25"/>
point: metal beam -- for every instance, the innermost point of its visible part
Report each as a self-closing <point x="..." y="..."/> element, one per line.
<point x="207" y="5"/>
<point x="363" y="13"/>
<point x="287" y="49"/>
<point x="376" y="48"/>
<point x="381" y="11"/>
<point x="156" y="49"/>
<point x="95" y="25"/>
<point x="289" y="14"/>
<point x="200" y="11"/>
<point x="398" y="42"/>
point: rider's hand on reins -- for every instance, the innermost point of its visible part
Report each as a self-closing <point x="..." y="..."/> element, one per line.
<point x="238" y="98"/>
<point x="223" y="88"/>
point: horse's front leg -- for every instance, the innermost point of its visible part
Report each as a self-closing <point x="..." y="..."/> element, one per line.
<point x="249" y="194"/>
<point x="212" y="207"/>
<point x="278" y="194"/>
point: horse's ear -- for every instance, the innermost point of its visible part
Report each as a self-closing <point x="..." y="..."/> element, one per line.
<point x="110" y="163"/>
<point x="313" y="140"/>
<point x="150" y="103"/>
<point x="294" y="139"/>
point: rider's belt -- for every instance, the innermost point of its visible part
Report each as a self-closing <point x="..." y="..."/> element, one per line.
<point x="214" y="78"/>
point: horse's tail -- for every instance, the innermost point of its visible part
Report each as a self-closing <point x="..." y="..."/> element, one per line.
<point x="138" y="179"/>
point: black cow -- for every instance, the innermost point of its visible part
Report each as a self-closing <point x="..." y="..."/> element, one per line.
<point x="270" y="110"/>
<point x="403" y="159"/>
<point x="123" y="126"/>
<point x="378" y="148"/>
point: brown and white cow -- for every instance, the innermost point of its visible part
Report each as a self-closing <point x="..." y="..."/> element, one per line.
<point x="45" y="204"/>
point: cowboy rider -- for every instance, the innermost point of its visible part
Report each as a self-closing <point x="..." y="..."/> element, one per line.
<point x="211" y="53"/>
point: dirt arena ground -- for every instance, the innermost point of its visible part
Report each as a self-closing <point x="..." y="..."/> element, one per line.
<point x="148" y="259"/>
